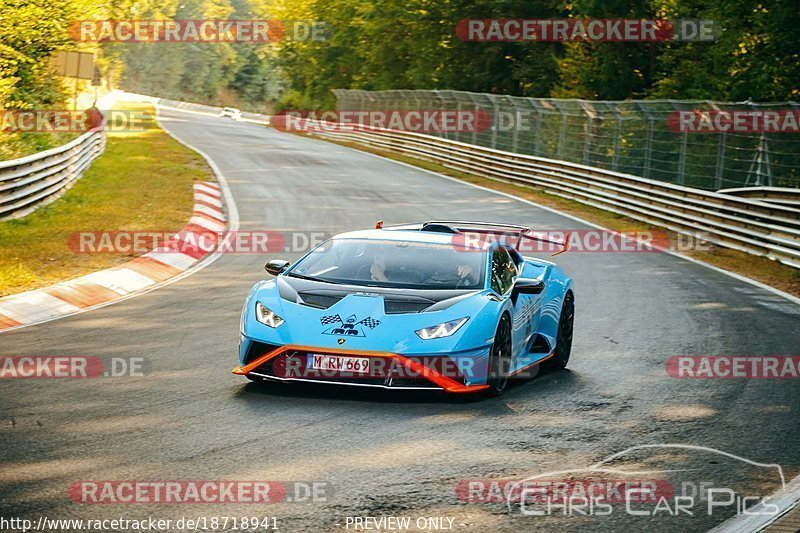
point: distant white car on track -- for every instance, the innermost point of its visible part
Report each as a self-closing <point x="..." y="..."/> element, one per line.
<point x="230" y="112"/>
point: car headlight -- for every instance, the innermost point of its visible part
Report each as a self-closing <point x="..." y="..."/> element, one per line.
<point x="266" y="316"/>
<point x="445" y="329"/>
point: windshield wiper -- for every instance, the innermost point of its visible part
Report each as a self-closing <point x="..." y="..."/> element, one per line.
<point x="309" y="278"/>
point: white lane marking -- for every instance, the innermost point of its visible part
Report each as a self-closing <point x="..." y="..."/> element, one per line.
<point x="174" y="259"/>
<point x="34" y="305"/>
<point x="210" y="211"/>
<point x="120" y="280"/>
<point x="208" y="188"/>
<point x="207" y="224"/>
<point x="213" y="200"/>
<point x="192" y="111"/>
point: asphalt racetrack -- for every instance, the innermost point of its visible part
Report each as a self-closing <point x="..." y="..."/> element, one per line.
<point x="385" y="453"/>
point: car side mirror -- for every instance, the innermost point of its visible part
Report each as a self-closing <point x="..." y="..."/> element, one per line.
<point x="276" y="266"/>
<point x="528" y="286"/>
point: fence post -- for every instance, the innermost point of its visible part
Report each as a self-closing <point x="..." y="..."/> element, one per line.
<point x="477" y="110"/>
<point x="648" y="150"/>
<point x="720" y="160"/>
<point x="588" y="131"/>
<point x="648" y="144"/>
<point x="439" y="106"/>
<point x="682" y="159"/>
<point x="617" y="139"/>
<point x="517" y="119"/>
<point x="761" y="162"/>
<point x="537" y="150"/>
<point x="766" y="160"/>
<point x="495" y="120"/>
<point x="458" y="132"/>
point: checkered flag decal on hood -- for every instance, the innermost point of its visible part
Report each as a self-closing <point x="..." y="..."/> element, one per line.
<point x="370" y="322"/>
<point x="330" y="319"/>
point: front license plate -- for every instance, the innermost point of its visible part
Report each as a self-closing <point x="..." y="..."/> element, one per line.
<point x="338" y="363"/>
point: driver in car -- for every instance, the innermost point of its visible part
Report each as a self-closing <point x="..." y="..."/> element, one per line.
<point x="377" y="271"/>
<point x="465" y="273"/>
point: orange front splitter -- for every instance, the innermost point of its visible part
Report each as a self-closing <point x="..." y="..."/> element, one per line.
<point x="446" y="383"/>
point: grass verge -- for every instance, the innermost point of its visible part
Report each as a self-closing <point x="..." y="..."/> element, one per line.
<point x="142" y="182"/>
<point x="765" y="270"/>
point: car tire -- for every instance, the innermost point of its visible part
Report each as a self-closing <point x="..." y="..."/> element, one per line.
<point x="500" y="358"/>
<point x="564" y="336"/>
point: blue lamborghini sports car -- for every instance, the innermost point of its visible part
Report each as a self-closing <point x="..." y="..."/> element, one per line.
<point x="420" y="306"/>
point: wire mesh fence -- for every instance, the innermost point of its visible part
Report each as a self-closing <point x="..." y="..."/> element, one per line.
<point x="638" y="137"/>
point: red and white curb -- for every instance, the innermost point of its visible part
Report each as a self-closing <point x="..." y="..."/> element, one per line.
<point x="115" y="283"/>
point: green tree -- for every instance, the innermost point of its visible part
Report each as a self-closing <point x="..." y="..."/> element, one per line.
<point x="30" y="31"/>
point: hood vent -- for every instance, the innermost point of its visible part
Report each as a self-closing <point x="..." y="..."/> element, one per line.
<point x="320" y="301"/>
<point x="397" y="306"/>
<point x="393" y="305"/>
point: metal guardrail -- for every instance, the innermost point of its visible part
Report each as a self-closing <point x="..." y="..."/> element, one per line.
<point x="631" y="136"/>
<point x="256" y="118"/>
<point x="773" y="195"/>
<point x="188" y="106"/>
<point x="750" y="225"/>
<point x="30" y="182"/>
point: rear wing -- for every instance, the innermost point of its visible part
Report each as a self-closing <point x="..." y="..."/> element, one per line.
<point x="484" y="228"/>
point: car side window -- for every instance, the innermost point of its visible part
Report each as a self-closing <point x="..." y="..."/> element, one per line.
<point x="504" y="271"/>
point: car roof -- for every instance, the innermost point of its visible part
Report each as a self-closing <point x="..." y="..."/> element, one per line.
<point x="408" y="235"/>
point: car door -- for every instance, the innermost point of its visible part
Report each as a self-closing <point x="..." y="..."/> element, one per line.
<point x="531" y="307"/>
<point x="504" y="273"/>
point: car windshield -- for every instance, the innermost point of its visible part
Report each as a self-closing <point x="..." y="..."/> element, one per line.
<point x="401" y="264"/>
